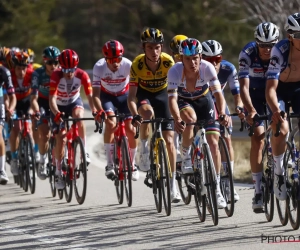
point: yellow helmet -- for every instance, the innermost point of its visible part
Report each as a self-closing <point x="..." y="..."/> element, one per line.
<point x="152" y="35"/>
<point x="31" y="54"/>
<point x="176" y="40"/>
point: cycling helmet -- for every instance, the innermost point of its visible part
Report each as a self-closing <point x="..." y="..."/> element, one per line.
<point x="30" y="52"/>
<point x="190" y="47"/>
<point x="51" y="53"/>
<point x="266" y="32"/>
<point x="3" y="53"/>
<point x="20" y="58"/>
<point x="68" y="59"/>
<point x="211" y="48"/>
<point x="293" y="23"/>
<point x="15" y="49"/>
<point x="175" y="42"/>
<point x="112" y="48"/>
<point x="152" y="35"/>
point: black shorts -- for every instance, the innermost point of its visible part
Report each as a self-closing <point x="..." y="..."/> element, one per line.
<point x="22" y="107"/>
<point x="2" y="111"/>
<point x="160" y="104"/>
<point x="44" y="104"/>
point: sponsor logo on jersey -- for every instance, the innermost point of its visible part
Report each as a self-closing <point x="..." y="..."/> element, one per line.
<point x="140" y="65"/>
<point x="249" y="50"/>
<point x="283" y="48"/>
<point x="166" y="64"/>
<point x="274" y="60"/>
<point x="152" y="83"/>
<point x="243" y="62"/>
<point x="169" y="126"/>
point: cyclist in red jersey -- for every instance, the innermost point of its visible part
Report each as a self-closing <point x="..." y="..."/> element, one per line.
<point x="65" y="100"/>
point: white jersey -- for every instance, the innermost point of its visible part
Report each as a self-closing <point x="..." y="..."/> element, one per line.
<point x="113" y="83"/>
<point x="207" y="79"/>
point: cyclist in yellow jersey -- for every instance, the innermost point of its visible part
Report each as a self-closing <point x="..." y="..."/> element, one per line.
<point x="148" y="97"/>
<point x="31" y="54"/>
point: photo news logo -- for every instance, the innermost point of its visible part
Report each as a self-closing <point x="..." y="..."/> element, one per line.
<point x="280" y="238"/>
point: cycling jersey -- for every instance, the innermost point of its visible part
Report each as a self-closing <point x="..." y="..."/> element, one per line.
<point x="6" y="82"/>
<point x="40" y="83"/>
<point x="113" y="83"/>
<point x="252" y="67"/>
<point x="22" y="86"/>
<point x="67" y="91"/>
<point x="228" y="74"/>
<point x="36" y="66"/>
<point x="142" y="77"/>
<point x="207" y="79"/>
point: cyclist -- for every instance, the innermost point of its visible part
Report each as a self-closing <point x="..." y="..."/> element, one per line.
<point x="110" y="91"/>
<point x="190" y="100"/>
<point x="21" y="78"/>
<point x="148" y="85"/>
<point x="64" y="99"/>
<point x="283" y="84"/>
<point x="6" y="82"/>
<point x="212" y="52"/>
<point x="253" y="64"/>
<point x="40" y="101"/>
<point x="174" y="46"/>
<point x="31" y="54"/>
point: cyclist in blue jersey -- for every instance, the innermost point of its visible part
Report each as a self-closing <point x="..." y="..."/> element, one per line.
<point x="40" y="102"/>
<point x="283" y="85"/>
<point x="253" y="64"/>
<point x="212" y="52"/>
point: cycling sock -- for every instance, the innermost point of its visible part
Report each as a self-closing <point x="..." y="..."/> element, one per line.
<point x="218" y="183"/>
<point x="58" y="166"/>
<point x="109" y="152"/>
<point x="36" y="148"/>
<point x="173" y="181"/>
<point x="186" y="152"/>
<point x="2" y="162"/>
<point x="257" y="182"/>
<point x="144" y="146"/>
<point x="176" y="142"/>
<point x="43" y="158"/>
<point x="278" y="160"/>
<point x="232" y="164"/>
<point x="133" y="154"/>
<point x="14" y="155"/>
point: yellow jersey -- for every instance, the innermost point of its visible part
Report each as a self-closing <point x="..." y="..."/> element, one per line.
<point x="142" y="77"/>
<point x="36" y="66"/>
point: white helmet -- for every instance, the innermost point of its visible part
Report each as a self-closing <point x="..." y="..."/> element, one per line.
<point x="211" y="48"/>
<point x="190" y="47"/>
<point x="292" y="23"/>
<point x="266" y="32"/>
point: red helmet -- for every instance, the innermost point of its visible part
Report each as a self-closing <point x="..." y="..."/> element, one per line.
<point x="112" y="48"/>
<point x="68" y="59"/>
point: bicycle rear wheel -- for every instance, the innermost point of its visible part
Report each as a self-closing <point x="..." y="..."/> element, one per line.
<point x="127" y="170"/>
<point x="210" y="184"/>
<point x="22" y="164"/>
<point x="119" y="183"/>
<point x="51" y="166"/>
<point x="164" y="176"/>
<point x="30" y="163"/>
<point x="226" y="178"/>
<point x="80" y="171"/>
<point x="69" y="185"/>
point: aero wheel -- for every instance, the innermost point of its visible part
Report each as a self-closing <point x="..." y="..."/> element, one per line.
<point x="210" y="184"/>
<point x="199" y="198"/>
<point x="164" y="175"/>
<point x="51" y="166"/>
<point x="119" y="184"/>
<point x="226" y="178"/>
<point x="30" y="163"/>
<point x="127" y="170"/>
<point x="80" y="171"/>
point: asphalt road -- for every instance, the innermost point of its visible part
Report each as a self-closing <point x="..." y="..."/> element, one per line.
<point x="39" y="221"/>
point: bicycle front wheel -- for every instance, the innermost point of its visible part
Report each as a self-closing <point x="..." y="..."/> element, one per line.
<point x="30" y="163"/>
<point x="51" y="166"/>
<point x="119" y="183"/>
<point x="210" y="184"/>
<point x="80" y="171"/>
<point x="22" y="164"/>
<point x="199" y="198"/>
<point x="127" y="170"/>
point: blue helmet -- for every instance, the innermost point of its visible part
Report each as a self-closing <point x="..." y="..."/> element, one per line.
<point x="51" y="52"/>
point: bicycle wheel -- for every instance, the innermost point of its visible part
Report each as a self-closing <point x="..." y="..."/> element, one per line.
<point x="210" y="184"/>
<point x="51" y="166"/>
<point x="22" y="164"/>
<point x="119" y="184"/>
<point x="200" y="199"/>
<point x="80" y="171"/>
<point x="164" y="176"/>
<point x="127" y="170"/>
<point x="30" y="163"/>
<point x="69" y="185"/>
<point x="226" y="178"/>
<point x="60" y="194"/>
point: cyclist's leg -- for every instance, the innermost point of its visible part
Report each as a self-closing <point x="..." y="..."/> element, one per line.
<point x="3" y="175"/>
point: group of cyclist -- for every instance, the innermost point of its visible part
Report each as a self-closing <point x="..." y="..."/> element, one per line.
<point x="186" y="86"/>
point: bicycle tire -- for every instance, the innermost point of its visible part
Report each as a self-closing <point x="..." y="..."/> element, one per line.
<point x="68" y="190"/>
<point x="60" y="193"/>
<point x="127" y="170"/>
<point x="80" y="171"/>
<point x="51" y="166"/>
<point x="22" y="164"/>
<point x="226" y="178"/>
<point x="164" y="176"/>
<point x="210" y="184"/>
<point x="30" y="163"/>
<point x="119" y="184"/>
<point x="200" y="200"/>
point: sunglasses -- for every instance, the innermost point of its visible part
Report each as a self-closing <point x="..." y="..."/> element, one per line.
<point x="265" y="45"/>
<point x="113" y="60"/>
<point x="52" y="62"/>
<point x="211" y="59"/>
<point x="68" y="70"/>
<point x="295" y="35"/>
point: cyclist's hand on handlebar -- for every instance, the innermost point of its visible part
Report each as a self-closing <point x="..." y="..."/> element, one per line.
<point x="9" y="114"/>
<point x="224" y="120"/>
<point x="179" y="126"/>
<point x="99" y="115"/>
<point x="137" y="120"/>
<point x="36" y="115"/>
<point x="59" y="117"/>
<point x="240" y="111"/>
<point x="249" y="117"/>
<point x="276" y="117"/>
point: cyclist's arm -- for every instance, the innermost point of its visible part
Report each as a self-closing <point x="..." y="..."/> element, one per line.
<point x="172" y="93"/>
<point x="34" y="92"/>
<point x="220" y="102"/>
<point x="234" y="86"/>
<point x="54" y="80"/>
<point x="10" y="100"/>
<point x="96" y="98"/>
<point x="133" y="86"/>
<point x="34" y="103"/>
<point x="271" y="95"/>
<point x="86" y="82"/>
<point x="97" y="87"/>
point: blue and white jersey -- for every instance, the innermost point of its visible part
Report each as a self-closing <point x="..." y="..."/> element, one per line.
<point x="228" y="74"/>
<point x="252" y="67"/>
<point x="279" y="59"/>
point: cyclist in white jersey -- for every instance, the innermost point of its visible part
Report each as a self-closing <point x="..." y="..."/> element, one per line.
<point x="110" y="92"/>
<point x="190" y="100"/>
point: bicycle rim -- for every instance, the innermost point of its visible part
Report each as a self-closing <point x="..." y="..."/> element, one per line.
<point x="226" y="178"/>
<point x="51" y="167"/>
<point x="211" y="185"/>
<point x="80" y="171"/>
<point x="69" y="185"/>
<point x="127" y="171"/>
<point x="199" y="199"/>
<point x="22" y="164"/>
<point x="119" y="184"/>
<point x="30" y="163"/>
